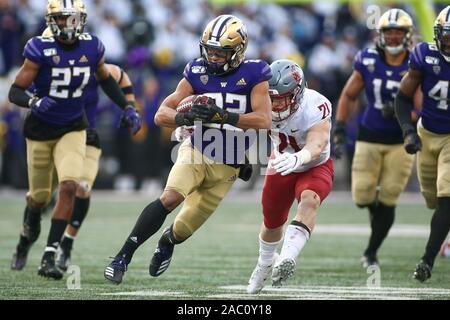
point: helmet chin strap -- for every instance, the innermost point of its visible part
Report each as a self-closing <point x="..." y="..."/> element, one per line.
<point x="395" y="50"/>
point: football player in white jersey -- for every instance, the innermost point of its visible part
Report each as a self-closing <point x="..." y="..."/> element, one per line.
<point x="300" y="168"/>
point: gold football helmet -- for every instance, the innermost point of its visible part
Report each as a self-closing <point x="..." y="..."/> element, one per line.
<point x="442" y="33"/>
<point x="225" y="37"/>
<point x="66" y="18"/>
<point x="394" y="19"/>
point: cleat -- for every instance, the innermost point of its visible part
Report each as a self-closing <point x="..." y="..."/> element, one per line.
<point x="19" y="260"/>
<point x="48" y="268"/>
<point x="282" y="270"/>
<point x="422" y="272"/>
<point x="259" y="276"/>
<point x="162" y="256"/>
<point x="369" y="260"/>
<point x="115" y="270"/>
<point x="63" y="259"/>
<point x="445" y="249"/>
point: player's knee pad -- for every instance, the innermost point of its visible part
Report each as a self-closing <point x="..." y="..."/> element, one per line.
<point x="363" y="192"/>
<point x="430" y="200"/>
<point x="182" y="230"/>
<point x="39" y="198"/>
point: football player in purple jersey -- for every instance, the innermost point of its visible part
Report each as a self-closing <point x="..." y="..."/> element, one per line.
<point x="59" y="68"/>
<point x="91" y="164"/>
<point x="380" y="167"/>
<point x="429" y="68"/>
<point x="233" y="96"/>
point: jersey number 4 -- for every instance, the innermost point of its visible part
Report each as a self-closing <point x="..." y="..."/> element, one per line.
<point x="58" y="86"/>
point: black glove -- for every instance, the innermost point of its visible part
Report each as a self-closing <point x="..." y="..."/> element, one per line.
<point x="339" y="139"/>
<point x="388" y="111"/>
<point x="412" y="142"/>
<point x="186" y="118"/>
<point x="209" y="112"/>
<point x="245" y="171"/>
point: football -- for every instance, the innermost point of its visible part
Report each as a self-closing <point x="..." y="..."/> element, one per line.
<point x="186" y="104"/>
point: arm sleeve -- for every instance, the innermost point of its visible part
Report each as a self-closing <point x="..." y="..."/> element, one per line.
<point x="403" y="108"/>
<point x="18" y="96"/>
<point x="113" y="91"/>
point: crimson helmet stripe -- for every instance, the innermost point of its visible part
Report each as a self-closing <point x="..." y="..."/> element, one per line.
<point x="219" y="25"/>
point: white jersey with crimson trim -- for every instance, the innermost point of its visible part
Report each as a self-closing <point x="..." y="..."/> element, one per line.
<point x="290" y="134"/>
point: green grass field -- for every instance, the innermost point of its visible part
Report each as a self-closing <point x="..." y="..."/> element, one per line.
<point x="218" y="260"/>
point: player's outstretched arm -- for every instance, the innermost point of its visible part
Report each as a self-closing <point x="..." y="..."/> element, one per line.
<point x="166" y="116"/>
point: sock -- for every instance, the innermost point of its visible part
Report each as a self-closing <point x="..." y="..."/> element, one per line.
<point x="168" y="237"/>
<point x="381" y="219"/>
<point x="30" y="232"/>
<point x="148" y="223"/>
<point x="266" y="252"/>
<point x="32" y="215"/>
<point x="80" y="210"/>
<point x="295" y="239"/>
<point x="67" y="242"/>
<point x="440" y="226"/>
<point x="56" y="231"/>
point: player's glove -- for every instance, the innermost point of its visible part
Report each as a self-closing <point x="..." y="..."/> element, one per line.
<point x="339" y="139"/>
<point x="42" y="105"/>
<point x="388" y="111"/>
<point x="412" y="142"/>
<point x="286" y="163"/>
<point x="131" y="119"/>
<point x="183" y="132"/>
<point x="186" y="118"/>
<point x="207" y="110"/>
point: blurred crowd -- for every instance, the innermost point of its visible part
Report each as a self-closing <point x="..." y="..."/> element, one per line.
<point x="153" y="40"/>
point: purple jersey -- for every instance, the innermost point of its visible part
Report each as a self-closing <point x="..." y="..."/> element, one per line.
<point x="64" y="74"/>
<point x="231" y="92"/>
<point x="435" y="87"/>
<point x="381" y="84"/>
<point x="91" y="102"/>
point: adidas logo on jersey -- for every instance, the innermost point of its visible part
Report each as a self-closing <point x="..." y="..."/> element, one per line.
<point x="241" y="82"/>
<point x="83" y="59"/>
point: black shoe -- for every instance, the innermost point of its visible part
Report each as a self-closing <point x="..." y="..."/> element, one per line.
<point x="115" y="270"/>
<point x="161" y="258"/>
<point x="19" y="258"/>
<point x="48" y="268"/>
<point x="423" y="271"/>
<point x="368" y="260"/>
<point x="63" y="260"/>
